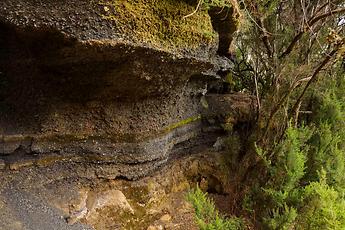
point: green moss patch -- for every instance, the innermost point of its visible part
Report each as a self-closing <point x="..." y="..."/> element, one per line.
<point x="160" y="22"/>
<point x="183" y="122"/>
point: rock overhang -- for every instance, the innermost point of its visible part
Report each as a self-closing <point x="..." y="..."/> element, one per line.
<point x="141" y="43"/>
<point x="158" y="24"/>
<point x="93" y="81"/>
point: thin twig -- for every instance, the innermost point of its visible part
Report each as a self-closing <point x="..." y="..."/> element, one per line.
<point x="321" y="7"/>
<point x="310" y="22"/>
<point x="295" y="120"/>
<point x="322" y="16"/>
<point x="196" y="10"/>
<point x="257" y="93"/>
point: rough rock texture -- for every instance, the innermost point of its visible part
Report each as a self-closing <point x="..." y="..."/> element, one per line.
<point x="231" y="108"/>
<point x="96" y="96"/>
<point x="103" y="81"/>
<point x="40" y="198"/>
<point x="150" y="23"/>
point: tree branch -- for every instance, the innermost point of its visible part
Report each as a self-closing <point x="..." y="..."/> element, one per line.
<point x="292" y="45"/>
<point x="310" y="22"/>
<point x="325" y="15"/>
<point x="313" y="78"/>
<point x="265" y="37"/>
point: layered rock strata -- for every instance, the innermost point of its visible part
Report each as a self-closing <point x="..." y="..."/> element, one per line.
<point x="96" y="96"/>
<point x="103" y="82"/>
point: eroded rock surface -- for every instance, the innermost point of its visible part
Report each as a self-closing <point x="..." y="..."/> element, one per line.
<point x="92" y="202"/>
<point x="101" y="82"/>
<point x="60" y="198"/>
<point x="96" y="96"/>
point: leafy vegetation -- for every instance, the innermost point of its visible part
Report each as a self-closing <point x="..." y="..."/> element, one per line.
<point x="207" y="217"/>
<point x="300" y="134"/>
<point x="291" y="56"/>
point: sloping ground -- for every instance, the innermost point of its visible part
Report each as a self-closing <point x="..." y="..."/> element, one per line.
<point x="61" y="196"/>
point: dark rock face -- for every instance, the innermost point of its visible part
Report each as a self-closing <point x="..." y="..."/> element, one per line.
<point x="88" y="82"/>
<point x="105" y="102"/>
<point x="149" y="23"/>
<point x="100" y="94"/>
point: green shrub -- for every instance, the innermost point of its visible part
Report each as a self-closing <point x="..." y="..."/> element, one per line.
<point x="281" y="193"/>
<point x="322" y="206"/>
<point x="207" y="217"/>
<point x="305" y="183"/>
<point x="282" y="218"/>
<point x="328" y="142"/>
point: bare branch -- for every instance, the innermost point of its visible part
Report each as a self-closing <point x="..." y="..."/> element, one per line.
<point x="257" y="93"/>
<point x="311" y="22"/>
<point x="265" y="37"/>
<point x="321" y="7"/>
<point x="314" y="78"/>
<point x="292" y="44"/>
<point x="314" y="19"/>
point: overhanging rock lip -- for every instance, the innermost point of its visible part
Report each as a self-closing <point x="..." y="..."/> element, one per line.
<point x="29" y="32"/>
<point x="112" y="67"/>
<point x="107" y="48"/>
<point x="87" y="21"/>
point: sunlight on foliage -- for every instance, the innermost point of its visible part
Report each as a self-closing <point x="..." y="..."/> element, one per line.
<point x="207" y="217"/>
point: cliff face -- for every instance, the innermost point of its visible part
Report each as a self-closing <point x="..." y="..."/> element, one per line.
<point x="103" y="81"/>
<point x="109" y="89"/>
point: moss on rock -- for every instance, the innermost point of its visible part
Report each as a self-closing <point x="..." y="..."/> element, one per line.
<point x="183" y="122"/>
<point x="161" y="23"/>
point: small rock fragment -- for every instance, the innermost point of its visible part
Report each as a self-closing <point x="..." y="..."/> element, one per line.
<point x="219" y="144"/>
<point x="165" y="218"/>
<point x="108" y="198"/>
<point x="151" y="227"/>
<point x="203" y="184"/>
<point x="94" y="201"/>
<point x="2" y="164"/>
<point x="76" y="216"/>
<point x="106" y="9"/>
<point x="21" y="163"/>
